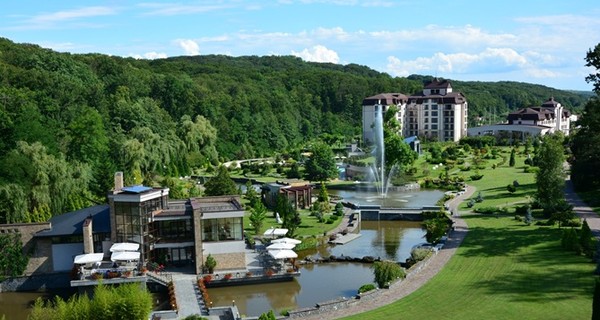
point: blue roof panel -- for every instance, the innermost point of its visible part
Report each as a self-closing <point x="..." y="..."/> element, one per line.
<point x="136" y="189"/>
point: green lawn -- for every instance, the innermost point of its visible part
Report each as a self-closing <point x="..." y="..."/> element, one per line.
<point x="503" y="270"/>
<point x="310" y="226"/>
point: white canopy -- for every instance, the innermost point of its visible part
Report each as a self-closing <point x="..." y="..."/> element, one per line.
<point x="125" y="256"/>
<point x="281" y="246"/>
<point x="286" y="240"/>
<point x="88" y="258"/>
<point x="283" y="254"/>
<point x="124" y="246"/>
<point x="275" y="232"/>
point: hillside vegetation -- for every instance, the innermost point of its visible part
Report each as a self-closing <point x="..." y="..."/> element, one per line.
<point x="69" y="121"/>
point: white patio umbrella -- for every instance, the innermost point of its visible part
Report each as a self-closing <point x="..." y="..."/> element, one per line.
<point x="88" y="258"/>
<point x="283" y="254"/>
<point x="275" y="232"/>
<point x="281" y="246"/>
<point x="125" y="256"/>
<point x="286" y="240"/>
<point x="124" y="246"/>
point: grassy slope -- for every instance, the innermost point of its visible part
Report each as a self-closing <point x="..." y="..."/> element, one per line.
<point x="503" y="269"/>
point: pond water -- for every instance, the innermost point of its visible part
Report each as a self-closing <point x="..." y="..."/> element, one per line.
<point x="391" y="240"/>
<point x="17" y="305"/>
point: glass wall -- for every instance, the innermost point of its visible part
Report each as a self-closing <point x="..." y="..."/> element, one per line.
<point x="222" y="229"/>
<point x="174" y="231"/>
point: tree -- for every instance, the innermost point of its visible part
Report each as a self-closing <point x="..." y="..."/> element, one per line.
<point x="126" y="301"/>
<point x="586" y="141"/>
<point x="258" y="213"/>
<point x="320" y="166"/>
<point x="210" y="264"/>
<point x="251" y="194"/>
<point x="511" y="188"/>
<point x="12" y="260"/>
<point x="586" y="239"/>
<point x="289" y="214"/>
<point x="511" y="162"/>
<point x="550" y="179"/>
<point x="220" y="184"/>
<point x="596" y="301"/>
<point x="387" y="271"/>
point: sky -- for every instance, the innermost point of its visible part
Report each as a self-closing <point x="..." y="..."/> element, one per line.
<point x="534" y="41"/>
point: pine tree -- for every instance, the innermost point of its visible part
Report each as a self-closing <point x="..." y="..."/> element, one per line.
<point x="511" y="162"/>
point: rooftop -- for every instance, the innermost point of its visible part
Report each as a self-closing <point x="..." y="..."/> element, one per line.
<point x="71" y="223"/>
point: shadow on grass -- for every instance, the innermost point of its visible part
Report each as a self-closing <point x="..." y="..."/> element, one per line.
<point x="529" y="264"/>
<point x="501" y="192"/>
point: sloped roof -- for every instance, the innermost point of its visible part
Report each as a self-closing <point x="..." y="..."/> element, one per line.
<point x="449" y="98"/>
<point x="71" y="223"/>
<point x="437" y="84"/>
<point x="386" y="99"/>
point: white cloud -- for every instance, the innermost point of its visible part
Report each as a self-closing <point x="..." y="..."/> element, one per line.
<point x="173" y="9"/>
<point x="149" y="55"/>
<point x="65" y="19"/>
<point x="190" y="47"/>
<point x="489" y="60"/>
<point x="318" y="53"/>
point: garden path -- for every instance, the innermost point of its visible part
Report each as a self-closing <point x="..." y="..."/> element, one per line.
<point x="582" y="210"/>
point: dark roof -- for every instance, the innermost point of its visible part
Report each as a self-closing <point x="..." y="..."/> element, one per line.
<point x="386" y="99"/>
<point x="550" y="103"/>
<point x="437" y="84"/>
<point x="71" y="223"/>
<point x="449" y="98"/>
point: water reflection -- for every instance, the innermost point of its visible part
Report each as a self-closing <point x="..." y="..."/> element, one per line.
<point x="396" y="199"/>
<point x="322" y="282"/>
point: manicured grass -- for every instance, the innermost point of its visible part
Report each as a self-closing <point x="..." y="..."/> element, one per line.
<point x="503" y="270"/>
<point x="310" y="226"/>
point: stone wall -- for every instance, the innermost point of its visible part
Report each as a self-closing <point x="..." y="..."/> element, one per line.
<point x="38" y="249"/>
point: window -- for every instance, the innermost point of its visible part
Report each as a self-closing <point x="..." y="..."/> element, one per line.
<point x="426" y="113"/>
<point x="222" y="229"/>
<point x="434" y="113"/>
<point x="434" y="107"/>
<point x="426" y="120"/>
<point x="426" y="127"/>
<point x="434" y="127"/>
<point x="434" y="120"/>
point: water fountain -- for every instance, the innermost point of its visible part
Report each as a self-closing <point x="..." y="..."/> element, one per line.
<point x="381" y="180"/>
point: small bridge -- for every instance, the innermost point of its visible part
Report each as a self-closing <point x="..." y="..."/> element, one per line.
<point x="377" y="213"/>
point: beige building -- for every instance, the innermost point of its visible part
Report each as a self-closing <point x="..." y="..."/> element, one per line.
<point x="437" y="112"/>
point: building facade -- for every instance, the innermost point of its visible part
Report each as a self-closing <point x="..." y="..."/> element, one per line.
<point x="172" y="232"/>
<point x="435" y="113"/>
<point x="549" y="117"/>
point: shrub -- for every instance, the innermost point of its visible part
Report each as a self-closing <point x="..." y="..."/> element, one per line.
<point x="366" y="288"/>
<point x="387" y="271"/>
<point x="511" y="188"/>
<point x="307" y="243"/>
<point x="419" y="254"/>
<point x="475" y="177"/>
<point x="487" y="210"/>
<point x="210" y="263"/>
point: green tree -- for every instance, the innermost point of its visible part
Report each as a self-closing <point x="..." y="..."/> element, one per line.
<point x="258" y="214"/>
<point x="294" y="172"/>
<point x="596" y="301"/>
<point x="210" y="264"/>
<point x="12" y="260"/>
<point x="127" y="301"/>
<point x="387" y="271"/>
<point x="251" y="195"/>
<point x="511" y="162"/>
<point x="220" y="184"/>
<point x="586" y="239"/>
<point x="289" y="215"/>
<point x="320" y="166"/>
<point x="550" y="179"/>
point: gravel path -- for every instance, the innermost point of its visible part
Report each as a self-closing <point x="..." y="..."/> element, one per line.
<point x="415" y="281"/>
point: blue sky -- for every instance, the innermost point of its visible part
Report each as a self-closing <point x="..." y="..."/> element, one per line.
<point x="533" y="41"/>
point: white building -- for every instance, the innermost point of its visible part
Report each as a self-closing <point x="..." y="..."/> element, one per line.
<point x="437" y="112"/>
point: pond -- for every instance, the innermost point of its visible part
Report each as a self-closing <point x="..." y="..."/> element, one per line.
<point x="391" y="240"/>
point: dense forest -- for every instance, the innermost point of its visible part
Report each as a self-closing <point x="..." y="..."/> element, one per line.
<point x="68" y="121"/>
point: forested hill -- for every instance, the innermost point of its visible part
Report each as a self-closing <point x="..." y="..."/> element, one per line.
<point x="69" y="121"/>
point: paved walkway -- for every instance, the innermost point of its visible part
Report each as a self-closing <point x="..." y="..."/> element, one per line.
<point x="187" y="295"/>
<point x="582" y="210"/>
<point x="415" y="281"/>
